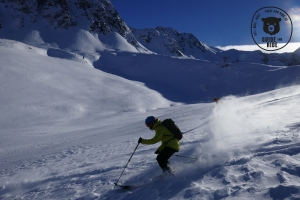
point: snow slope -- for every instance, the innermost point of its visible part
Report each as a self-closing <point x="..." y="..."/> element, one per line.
<point x="193" y="80"/>
<point x="67" y="130"/>
<point x="39" y="90"/>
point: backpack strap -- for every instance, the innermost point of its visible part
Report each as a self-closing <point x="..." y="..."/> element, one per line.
<point x="167" y="135"/>
<point x="167" y="129"/>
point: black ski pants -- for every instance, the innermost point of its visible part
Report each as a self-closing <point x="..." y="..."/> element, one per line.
<point x="163" y="157"/>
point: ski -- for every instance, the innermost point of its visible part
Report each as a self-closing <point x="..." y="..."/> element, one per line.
<point x="127" y="187"/>
<point x="157" y="178"/>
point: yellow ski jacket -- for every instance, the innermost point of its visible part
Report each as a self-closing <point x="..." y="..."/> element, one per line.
<point x="164" y="135"/>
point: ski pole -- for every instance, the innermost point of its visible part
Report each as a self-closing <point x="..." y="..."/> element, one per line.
<point x="116" y="183"/>
<point x="185" y="157"/>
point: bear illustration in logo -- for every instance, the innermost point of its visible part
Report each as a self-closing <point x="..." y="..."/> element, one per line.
<point x="271" y="25"/>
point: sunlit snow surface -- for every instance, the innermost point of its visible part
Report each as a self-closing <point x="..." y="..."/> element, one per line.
<point x="67" y="129"/>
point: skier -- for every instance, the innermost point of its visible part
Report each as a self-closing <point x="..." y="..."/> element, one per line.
<point x="216" y="99"/>
<point x="169" y="145"/>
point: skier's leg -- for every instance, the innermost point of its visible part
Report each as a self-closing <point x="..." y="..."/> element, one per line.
<point x="163" y="157"/>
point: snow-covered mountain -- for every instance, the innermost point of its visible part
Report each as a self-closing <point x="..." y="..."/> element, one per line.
<point x="95" y="16"/>
<point x="167" y="41"/>
<point x="50" y="19"/>
<point x="97" y="24"/>
<point x="91" y="31"/>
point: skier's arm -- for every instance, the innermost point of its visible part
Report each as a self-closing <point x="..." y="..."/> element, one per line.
<point x="154" y="140"/>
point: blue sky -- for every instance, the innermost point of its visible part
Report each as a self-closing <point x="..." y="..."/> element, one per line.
<point x="215" y="22"/>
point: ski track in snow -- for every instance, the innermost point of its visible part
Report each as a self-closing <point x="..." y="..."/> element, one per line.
<point x="75" y="142"/>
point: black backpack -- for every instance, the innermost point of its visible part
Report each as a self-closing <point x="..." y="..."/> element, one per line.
<point x="173" y="128"/>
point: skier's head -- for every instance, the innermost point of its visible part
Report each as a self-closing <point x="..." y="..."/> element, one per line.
<point x="150" y="121"/>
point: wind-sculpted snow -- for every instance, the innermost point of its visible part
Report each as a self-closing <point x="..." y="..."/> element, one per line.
<point x="67" y="129"/>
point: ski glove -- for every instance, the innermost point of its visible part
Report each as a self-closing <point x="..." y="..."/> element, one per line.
<point x="140" y="140"/>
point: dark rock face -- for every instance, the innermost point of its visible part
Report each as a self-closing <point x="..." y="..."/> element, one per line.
<point x="103" y="17"/>
<point x="100" y="16"/>
<point x="57" y="13"/>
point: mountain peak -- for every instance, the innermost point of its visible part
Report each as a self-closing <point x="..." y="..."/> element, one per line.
<point x="161" y="28"/>
<point x="168" y="41"/>
<point x="297" y="51"/>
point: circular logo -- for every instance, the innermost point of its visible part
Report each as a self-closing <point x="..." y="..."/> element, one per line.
<point x="271" y="28"/>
